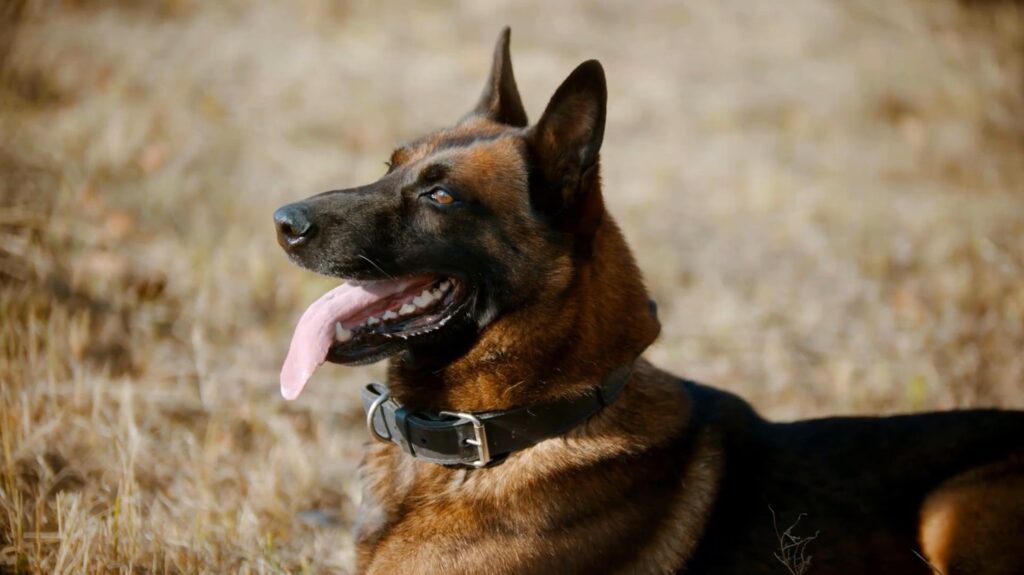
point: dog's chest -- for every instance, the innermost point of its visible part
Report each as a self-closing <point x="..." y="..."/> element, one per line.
<point x="419" y="519"/>
<point x="543" y="512"/>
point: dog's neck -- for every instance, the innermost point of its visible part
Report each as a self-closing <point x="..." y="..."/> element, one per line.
<point x="586" y="332"/>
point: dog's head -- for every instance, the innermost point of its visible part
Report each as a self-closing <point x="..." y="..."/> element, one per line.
<point x="468" y="224"/>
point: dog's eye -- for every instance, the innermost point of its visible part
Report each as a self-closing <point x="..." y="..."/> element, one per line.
<point x="441" y="196"/>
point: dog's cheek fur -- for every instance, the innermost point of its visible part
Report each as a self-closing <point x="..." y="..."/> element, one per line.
<point x="521" y="257"/>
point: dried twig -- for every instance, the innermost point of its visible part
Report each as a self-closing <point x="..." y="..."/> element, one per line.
<point x="793" y="548"/>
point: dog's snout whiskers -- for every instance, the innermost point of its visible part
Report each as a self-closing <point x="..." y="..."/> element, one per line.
<point x="374" y="264"/>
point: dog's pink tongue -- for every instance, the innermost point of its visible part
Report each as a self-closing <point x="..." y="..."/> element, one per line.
<point x="315" y="331"/>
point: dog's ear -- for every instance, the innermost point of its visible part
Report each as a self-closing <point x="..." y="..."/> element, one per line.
<point x="500" y="101"/>
<point x="565" y="143"/>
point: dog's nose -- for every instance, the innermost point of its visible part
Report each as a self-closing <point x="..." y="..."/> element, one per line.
<point x="293" y="225"/>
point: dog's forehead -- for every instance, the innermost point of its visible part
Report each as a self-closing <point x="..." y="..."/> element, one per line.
<point x="479" y="154"/>
<point x="466" y="134"/>
<point x="495" y="168"/>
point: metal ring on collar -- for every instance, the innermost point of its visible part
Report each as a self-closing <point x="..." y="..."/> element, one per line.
<point x="372" y="411"/>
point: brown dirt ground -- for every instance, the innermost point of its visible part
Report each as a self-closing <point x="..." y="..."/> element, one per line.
<point x="825" y="196"/>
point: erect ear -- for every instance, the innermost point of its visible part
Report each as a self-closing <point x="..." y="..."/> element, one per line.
<point x="566" y="140"/>
<point x="500" y="101"/>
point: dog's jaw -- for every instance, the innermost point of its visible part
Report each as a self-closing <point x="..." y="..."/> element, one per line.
<point x="360" y="321"/>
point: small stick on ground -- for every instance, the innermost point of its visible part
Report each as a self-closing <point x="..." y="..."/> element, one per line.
<point x="793" y="548"/>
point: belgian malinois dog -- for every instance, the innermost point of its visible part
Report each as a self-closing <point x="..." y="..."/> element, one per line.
<point x="520" y="431"/>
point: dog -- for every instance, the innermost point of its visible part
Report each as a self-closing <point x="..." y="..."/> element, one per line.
<point x="521" y="431"/>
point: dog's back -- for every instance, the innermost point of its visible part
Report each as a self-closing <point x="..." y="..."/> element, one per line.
<point x="854" y="490"/>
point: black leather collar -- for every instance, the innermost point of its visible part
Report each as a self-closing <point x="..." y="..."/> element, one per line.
<point x="482" y="439"/>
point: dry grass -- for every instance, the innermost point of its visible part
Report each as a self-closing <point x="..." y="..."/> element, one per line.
<point x="826" y="197"/>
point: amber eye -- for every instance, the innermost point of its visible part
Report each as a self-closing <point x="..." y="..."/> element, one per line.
<point x="441" y="196"/>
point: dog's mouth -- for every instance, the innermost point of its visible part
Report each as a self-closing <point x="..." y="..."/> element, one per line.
<point x="365" y="321"/>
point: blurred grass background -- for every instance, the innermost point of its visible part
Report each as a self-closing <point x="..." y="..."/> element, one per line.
<point x="826" y="196"/>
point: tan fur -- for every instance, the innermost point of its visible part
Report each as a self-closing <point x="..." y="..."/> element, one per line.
<point x="506" y="519"/>
<point x="974" y="524"/>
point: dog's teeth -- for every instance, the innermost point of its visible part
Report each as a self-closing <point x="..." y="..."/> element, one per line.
<point x="390" y="314"/>
<point x="407" y="309"/>
<point x="372" y="320"/>
<point x="423" y="299"/>
<point x="341" y="334"/>
<point x="445" y="285"/>
<point x="437" y="294"/>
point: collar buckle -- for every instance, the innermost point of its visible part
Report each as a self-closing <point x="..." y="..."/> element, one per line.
<point x="479" y="440"/>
